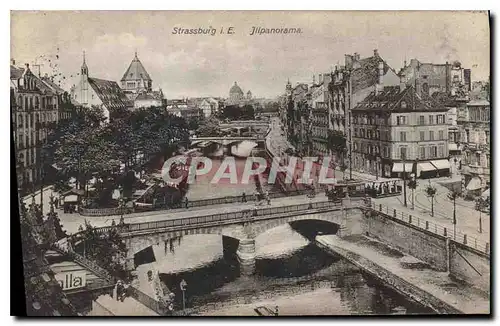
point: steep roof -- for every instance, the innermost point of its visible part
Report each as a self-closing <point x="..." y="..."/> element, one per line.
<point x="136" y="71"/>
<point x="109" y="93"/>
<point x="366" y="75"/>
<point x="55" y="88"/>
<point x="392" y="99"/>
<point x="15" y="72"/>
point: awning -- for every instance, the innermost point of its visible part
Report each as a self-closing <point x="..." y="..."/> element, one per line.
<point x="71" y="199"/>
<point x="441" y="164"/>
<point x="398" y="167"/>
<point x="425" y="167"/>
<point x="474" y="184"/>
<point x="452" y="147"/>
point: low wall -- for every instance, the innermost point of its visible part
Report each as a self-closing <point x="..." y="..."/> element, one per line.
<point x="470" y="265"/>
<point x="422" y="244"/>
<point x="392" y="280"/>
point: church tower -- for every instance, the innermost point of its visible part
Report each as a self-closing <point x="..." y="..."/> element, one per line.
<point x="84" y="75"/>
<point x="288" y="88"/>
<point x="136" y="79"/>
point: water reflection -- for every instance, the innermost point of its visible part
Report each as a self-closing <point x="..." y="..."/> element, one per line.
<point x="290" y="271"/>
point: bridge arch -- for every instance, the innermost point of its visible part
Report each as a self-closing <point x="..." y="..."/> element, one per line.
<point x="333" y="217"/>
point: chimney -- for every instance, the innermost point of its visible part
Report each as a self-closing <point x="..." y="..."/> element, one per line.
<point x="375" y="53"/>
<point x="381" y="72"/>
<point x="380" y="83"/>
<point x="402" y="81"/>
<point x="27" y="66"/>
<point x="356" y="56"/>
<point x="320" y="78"/>
<point x="13" y="62"/>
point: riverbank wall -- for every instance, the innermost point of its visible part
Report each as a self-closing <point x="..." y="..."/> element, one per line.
<point x="390" y="279"/>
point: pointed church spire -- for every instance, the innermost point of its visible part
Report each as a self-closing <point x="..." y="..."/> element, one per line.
<point x="84" y="69"/>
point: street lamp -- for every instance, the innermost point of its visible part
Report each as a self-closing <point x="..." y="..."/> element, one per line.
<point x="183" y="286"/>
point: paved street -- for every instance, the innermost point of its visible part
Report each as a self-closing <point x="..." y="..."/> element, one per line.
<point x="467" y="216"/>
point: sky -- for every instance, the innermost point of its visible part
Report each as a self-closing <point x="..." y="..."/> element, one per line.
<point x="206" y="65"/>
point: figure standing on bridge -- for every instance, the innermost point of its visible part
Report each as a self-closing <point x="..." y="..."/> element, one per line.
<point x="268" y="199"/>
<point x="244" y="198"/>
<point x="186" y="202"/>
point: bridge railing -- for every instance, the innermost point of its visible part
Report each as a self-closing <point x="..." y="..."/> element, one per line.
<point x="228" y="217"/>
<point x="457" y="237"/>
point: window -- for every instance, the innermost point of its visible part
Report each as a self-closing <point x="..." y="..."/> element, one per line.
<point x="431" y="119"/>
<point x="433" y="152"/>
<point x="421" y="120"/>
<point x="441" y="151"/>
<point x="403" y="104"/>
<point x="440" y="119"/>
<point x="422" y="152"/>
<point x="401" y="120"/>
<point x="422" y="135"/>
<point x="402" y="135"/>
<point x="431" y="135"/>
<point x="402" y="151"/>
<point x="441" y="135"/>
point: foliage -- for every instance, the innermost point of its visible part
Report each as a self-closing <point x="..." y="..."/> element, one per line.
<point x="482" y="205"/>
<point x="236" y="112"/>
<point x="412" y="184"/>
<point x="106" y="249"/>
<point x="86" y="147"/>
<point x="430" y="191"/>
<point x="453" y="194"/>
<point x="209" y="127"/>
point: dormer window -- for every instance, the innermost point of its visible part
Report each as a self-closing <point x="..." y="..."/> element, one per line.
<point x="403" y="104"/>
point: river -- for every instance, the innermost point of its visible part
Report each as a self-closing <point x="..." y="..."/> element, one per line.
<point x="291" y="273"/>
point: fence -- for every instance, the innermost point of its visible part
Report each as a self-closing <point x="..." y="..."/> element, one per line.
<point x="91" y="265"/>
<point x="457" y="237"/>
<point x="135" y="293"/>
<point x="229" y="217"/>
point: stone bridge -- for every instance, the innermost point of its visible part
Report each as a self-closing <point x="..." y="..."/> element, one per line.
<point x="225" y="140"/>
<point x="243" y="226"/>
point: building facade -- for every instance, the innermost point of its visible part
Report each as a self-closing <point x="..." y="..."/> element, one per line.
<point x="474" y="125"/>
<point x="429" y="78"/>
<point x="95" y="92"/>
<point x="396" y="131"/>
<point x="352" y="83"/>
<point x="137" y="84"/>
<point x="34" y="109"/>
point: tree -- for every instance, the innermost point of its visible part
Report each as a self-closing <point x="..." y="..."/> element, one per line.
<point x="412" y="184"/>
<point x="209" y="127"/>
<point x="430" y="192"/>
<point x="106" y="249"/>
<point x="482" y="205"/>
<point x="453" y="195"/>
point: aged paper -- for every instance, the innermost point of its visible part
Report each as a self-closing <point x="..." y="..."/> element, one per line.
<point x="245" y="163"/>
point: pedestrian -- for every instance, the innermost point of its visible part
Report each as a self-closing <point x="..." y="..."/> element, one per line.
<point x="186" y="202"/>
<point x="268" y="199"/>
<point x="244" y="198"/>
